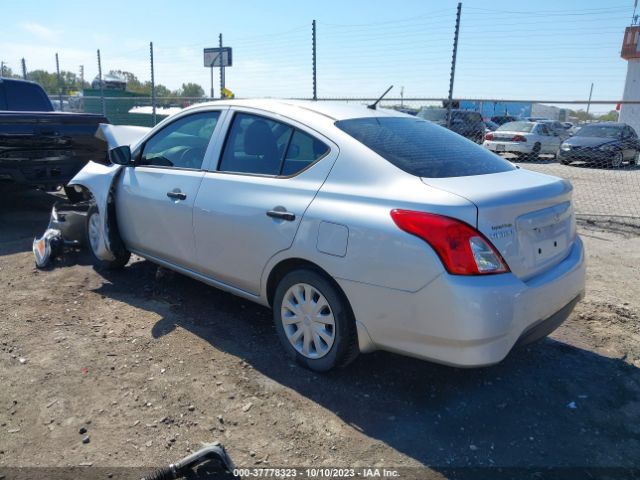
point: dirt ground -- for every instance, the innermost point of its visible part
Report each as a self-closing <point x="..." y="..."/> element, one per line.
<point x="152" y="364"/>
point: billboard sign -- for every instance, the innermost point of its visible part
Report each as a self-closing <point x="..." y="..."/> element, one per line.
<point x="217" y="57"/>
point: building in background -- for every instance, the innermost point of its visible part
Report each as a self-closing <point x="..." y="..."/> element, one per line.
<point x="630" y="113"/>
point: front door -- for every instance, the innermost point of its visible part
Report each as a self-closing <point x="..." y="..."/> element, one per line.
<point x="154" y="198"/>
<point x="251" y="207"/>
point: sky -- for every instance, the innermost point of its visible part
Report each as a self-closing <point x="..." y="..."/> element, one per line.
<point x="541" y="49"/>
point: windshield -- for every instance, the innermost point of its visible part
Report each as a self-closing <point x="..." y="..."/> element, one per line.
<point x="599" y="131"/>
<point x="516" y="127"/>
<point x="423" y="149"/>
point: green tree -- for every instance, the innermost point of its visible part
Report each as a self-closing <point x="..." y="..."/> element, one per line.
<point x="191" y="90"/>
<point x="581" y="115"/>
<point x="612" y="116"/>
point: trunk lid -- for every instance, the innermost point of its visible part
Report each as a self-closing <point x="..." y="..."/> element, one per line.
<point x="527" y="216"/>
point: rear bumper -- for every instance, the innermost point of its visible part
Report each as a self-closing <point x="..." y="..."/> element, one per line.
<point x="468" y="321"/>
<point x="508" y="147"/>
<point x="40" y="173"/>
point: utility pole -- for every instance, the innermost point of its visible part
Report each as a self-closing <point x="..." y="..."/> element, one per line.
<point x="82" y="76"/>
<point x="24" y="69"/>
<point x="313" y="59"/>
<point x="153" y="87"/>
<point x="59" y="82"/>
<point x="453" y="64"/>
<point x="221" y="69"/>
<point x="401" y="96"/>
<point x="589" y="102"/>
<point x="104" y="106"/>
<point x="212" y="81"/>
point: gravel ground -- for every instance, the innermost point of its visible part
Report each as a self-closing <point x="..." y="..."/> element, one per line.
<point x="151" y="364"/>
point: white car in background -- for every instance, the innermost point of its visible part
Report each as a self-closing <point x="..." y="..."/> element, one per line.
<point x="524" y="139"/>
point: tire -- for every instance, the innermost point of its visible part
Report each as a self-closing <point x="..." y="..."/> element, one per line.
<point x="535" y="152"/>
<point x="122" y="256"/>
<point x="617" y="160"/>
<point x="336" y="345"/>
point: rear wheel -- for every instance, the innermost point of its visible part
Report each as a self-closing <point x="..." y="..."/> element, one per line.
<point x="94" y="232"/>
<point x="535" y="152"/>
<point x="314" y="321"/>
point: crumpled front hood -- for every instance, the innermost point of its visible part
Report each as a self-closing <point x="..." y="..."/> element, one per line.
<point x="119" y="135"/>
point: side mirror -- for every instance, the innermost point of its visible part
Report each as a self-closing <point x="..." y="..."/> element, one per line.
<point x="120" y="155"/>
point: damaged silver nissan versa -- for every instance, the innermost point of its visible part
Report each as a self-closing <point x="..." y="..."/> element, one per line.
<point x="361" y="228"/>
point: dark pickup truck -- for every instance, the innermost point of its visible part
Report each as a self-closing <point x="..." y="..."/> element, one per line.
<point x="38" y="146"/>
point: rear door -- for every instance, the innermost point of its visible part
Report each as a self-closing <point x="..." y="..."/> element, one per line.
<point x="250" y="206"/>
<point x="155" y="197"/>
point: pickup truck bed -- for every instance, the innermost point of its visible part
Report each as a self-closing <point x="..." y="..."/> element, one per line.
<point x="47" y="148"/>
<point x="43" y="148"/>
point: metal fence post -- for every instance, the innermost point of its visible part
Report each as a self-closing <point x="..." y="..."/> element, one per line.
<point x="221" y="69"/>
<point x="153" y="87"/>
<point x="59" y="83"/>
<point x="453" y="64"/>
<point x="104" y="106"/>
<point x="313" y="59"/>
<point x="24" y="69"/>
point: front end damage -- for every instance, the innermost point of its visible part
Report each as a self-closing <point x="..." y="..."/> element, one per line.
<point x="65" y="230"/>
<point x="93" y="186"/>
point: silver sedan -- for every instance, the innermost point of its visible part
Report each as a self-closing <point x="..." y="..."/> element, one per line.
<point x="361" y="228"/>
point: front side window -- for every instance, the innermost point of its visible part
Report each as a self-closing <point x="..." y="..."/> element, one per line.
<point x="262" y="146"/>
<point x="422" y="148"/>
<point x="182" y="143"/>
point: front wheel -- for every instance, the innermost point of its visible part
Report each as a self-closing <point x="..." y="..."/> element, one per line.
<point x="314" y="321"/>
<point x="94" y="232"/>
<point x="617" y="160"/>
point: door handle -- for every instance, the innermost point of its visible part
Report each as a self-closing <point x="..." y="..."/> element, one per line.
<point x="282" y="215"/>
<point x="177" y="195"/>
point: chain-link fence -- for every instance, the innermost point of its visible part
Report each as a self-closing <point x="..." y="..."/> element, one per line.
<point x="438" y="52"/>
<point x="599" y="158"/>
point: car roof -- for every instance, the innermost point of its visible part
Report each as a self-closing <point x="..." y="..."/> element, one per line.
<point x="299" y="109"/>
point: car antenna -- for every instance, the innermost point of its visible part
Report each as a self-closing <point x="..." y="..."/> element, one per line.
<point x="375" y="104"/>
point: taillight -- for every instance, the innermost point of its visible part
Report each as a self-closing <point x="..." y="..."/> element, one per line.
<point x="488" y="136"/>
<point x="519" y="138"/>
<point x="462" y="249"/>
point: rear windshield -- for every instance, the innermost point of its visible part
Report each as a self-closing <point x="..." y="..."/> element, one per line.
<point x="516" y="127"/>
<point x="422" y="148"/>
<point x="599" y="131"/>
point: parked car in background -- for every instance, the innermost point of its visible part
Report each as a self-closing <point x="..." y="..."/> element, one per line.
<point x="536" y="119"/>
<point x="361" y="228"/>
<point x="38" y="146"/>
<point x="490" y="126"/>
<point x="606" y="144"/>
<point x="524" y="139"/>
<point x="502" y="119"/>
<point x="467" y="123"/>
<point x="557" y="128"/>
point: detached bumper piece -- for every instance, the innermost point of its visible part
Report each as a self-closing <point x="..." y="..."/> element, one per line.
<point x="65" y="230"/>
<point x="212" y="461"/>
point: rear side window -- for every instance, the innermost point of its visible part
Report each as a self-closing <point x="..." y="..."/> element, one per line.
<point x="262" y="146"/>
<point x="302" y="152"/>
<point x="26" y="97"/>
<point x="422" y="148"/>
